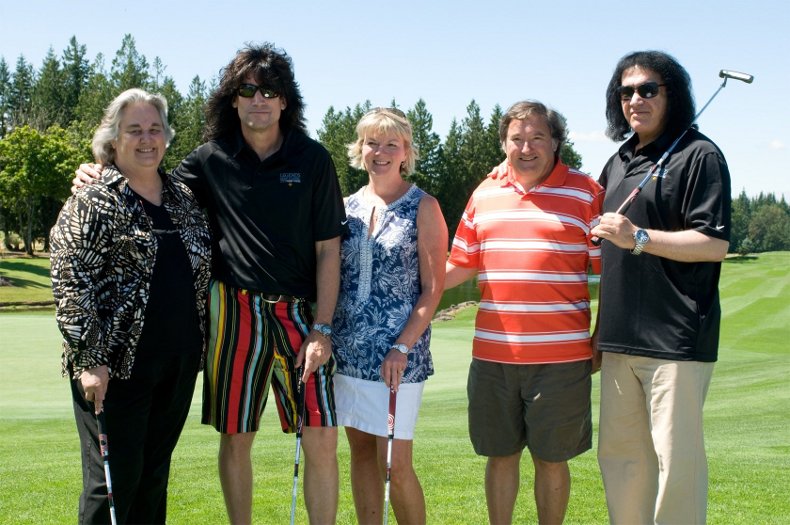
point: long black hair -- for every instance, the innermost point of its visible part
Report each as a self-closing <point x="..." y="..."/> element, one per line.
<point x="680" y="100"/>
<point x="271" y="68"/>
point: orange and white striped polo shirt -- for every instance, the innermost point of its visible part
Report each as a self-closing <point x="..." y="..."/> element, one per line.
<point x="532" y="251"/>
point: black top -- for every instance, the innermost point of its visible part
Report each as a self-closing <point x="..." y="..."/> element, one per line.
<point x="171" y="318"/>
<point x="267" y="215"/>
<point x="651" y="306"/>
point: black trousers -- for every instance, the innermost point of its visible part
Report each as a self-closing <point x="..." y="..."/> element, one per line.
<point x="145" y="415"/>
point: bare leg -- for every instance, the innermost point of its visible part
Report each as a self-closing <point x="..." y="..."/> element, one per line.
<point x="408" y="501"/>
<point x="366" y="482"/>
<point x="502" y="480"/>
<point x="235" y="475"/>
<point x="552" y="490"/>
<point x="320" y="474"/>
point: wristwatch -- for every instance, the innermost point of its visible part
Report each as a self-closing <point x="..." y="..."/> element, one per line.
<point x="323" y="329"/>
<point x="400" y="347"/>
<point x="640" y="238"/>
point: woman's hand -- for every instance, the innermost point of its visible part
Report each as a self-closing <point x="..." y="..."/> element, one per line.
<point x="94" y="383"/>
<point x="393" y="367"/>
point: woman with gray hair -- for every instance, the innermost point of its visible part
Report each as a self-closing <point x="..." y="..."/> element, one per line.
<point x="130" y="269"/>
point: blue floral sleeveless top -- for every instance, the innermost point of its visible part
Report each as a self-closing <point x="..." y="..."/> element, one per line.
<point x="379" y="286"/>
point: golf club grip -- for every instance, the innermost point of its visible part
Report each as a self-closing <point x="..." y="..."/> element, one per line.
<point x="737" y="75"/>
<point x="391" y="414"/>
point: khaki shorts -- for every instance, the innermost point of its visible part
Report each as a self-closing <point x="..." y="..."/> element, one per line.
<point x="545" y="408"/>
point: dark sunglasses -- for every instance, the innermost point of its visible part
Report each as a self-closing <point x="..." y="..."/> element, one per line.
<point x="646" y="90"/>
<point x="248" y="91"/>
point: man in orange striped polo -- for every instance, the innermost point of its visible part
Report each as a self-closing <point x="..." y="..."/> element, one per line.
<point x="525" y="234"/>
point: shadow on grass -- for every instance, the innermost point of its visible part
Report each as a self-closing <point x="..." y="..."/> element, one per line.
<point x="23" y="267"/>
<point x="741" y="259"/>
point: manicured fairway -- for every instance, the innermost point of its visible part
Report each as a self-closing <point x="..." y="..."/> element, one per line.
<point x="747" y="427"/>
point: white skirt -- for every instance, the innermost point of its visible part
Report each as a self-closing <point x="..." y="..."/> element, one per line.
<point x="364" y="405"/>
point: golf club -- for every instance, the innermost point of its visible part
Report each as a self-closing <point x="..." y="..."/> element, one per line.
<point x="658" y="167"/>
<point x="390" y="437"/>
<point x="105" y="452"/>
<point x="299" y="421"/>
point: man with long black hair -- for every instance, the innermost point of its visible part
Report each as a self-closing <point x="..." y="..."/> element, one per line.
<point x="659" y="310"/>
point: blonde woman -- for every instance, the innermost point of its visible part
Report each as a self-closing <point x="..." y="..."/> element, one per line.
<point x="392" y="276"/>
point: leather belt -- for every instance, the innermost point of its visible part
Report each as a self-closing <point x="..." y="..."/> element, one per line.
<point x="279" y="298"/>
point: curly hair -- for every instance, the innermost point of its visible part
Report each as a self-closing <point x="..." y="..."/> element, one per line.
<point x="680" y="100"/>
<point x="384" y="120"/>
<point x="271" y="68"/>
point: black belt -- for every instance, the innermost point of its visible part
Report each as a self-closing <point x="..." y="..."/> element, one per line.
<point x="279" y="298"/>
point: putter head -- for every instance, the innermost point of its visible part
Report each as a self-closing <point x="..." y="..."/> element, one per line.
<point x="743" y="77"/>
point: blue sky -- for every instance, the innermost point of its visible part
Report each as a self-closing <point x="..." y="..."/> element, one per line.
<point x="448" y="53"/>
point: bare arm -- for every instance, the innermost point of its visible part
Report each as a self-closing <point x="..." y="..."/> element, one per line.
<point x="682" y="246"/>
<point x="456" y="275"/>
<point x="317" y="348"/>
<point x="431" y="250"/>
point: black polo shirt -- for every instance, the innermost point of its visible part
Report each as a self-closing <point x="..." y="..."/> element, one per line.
<point x="651" y="306"/>
<point x="266" y="215"/>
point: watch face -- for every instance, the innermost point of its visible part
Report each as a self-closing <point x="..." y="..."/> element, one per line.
<point x="641" y="236"/>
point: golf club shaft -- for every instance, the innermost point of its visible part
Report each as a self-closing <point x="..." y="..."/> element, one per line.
<point x="299" y="423"/>
<point x="390" y="437"/>
<point x="105" y="452"/>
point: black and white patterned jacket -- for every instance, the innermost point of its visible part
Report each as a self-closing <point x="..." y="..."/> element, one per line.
<point x="103" y="254"/>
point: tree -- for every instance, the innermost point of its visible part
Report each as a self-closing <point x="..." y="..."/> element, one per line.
<point x="129" y="68"/>
<point x="428" y="144"/>
<point x="769" y="228"/>
<point x="47" y="102"/>
<point x="35" y="168"/>
<point x="451" y="197"/>
<point x="95" y="96"/>
<point x="21" y="94"/>
<point x="5" y="98"/>
<point x="569" y="156"/>
<point x="75" y="75"/>
<point x="188" y="122"/>
<point x="741" y="215"/>
<point x="337" y="131"/>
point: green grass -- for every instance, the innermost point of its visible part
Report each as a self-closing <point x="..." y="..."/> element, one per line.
<point x="30" y="279"/>
<point x="747" y="427"/>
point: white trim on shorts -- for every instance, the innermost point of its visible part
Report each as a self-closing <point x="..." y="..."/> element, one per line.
<point x="364" y="405"/>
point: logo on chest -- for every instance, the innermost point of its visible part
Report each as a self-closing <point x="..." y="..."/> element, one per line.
<point x="290" y="178"/>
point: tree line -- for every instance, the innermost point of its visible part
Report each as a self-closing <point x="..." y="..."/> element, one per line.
<point x="48" y="116"/>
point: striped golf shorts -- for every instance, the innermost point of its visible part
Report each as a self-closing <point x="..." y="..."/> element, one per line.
<point x="253" y="344"/>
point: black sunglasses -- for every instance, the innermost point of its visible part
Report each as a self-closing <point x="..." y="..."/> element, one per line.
<point x="646" y="90"/>
<point x="248" y="91"/>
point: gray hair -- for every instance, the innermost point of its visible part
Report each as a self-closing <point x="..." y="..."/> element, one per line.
<point x="107" y="132"/>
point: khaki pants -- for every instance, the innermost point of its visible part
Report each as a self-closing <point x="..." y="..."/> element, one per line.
<point x="651" y="448"/>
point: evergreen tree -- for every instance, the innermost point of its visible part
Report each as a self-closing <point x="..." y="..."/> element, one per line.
<point x="188" y="123"/>
<point x="21" y="95"/>
<point x="75" y="75"/>
<point x="337" y="131"/>
<point x="427" y="168"/>
<point x="452" y="196"/>
<point x="741" y="215"/>
<point x="47" y="101"/>
<point x="5" y="98"/>
<point x="95" y="96"/>
<point x="129" y="68"/>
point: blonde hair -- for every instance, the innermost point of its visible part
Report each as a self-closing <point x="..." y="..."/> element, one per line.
<point x="383" y="121"/>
